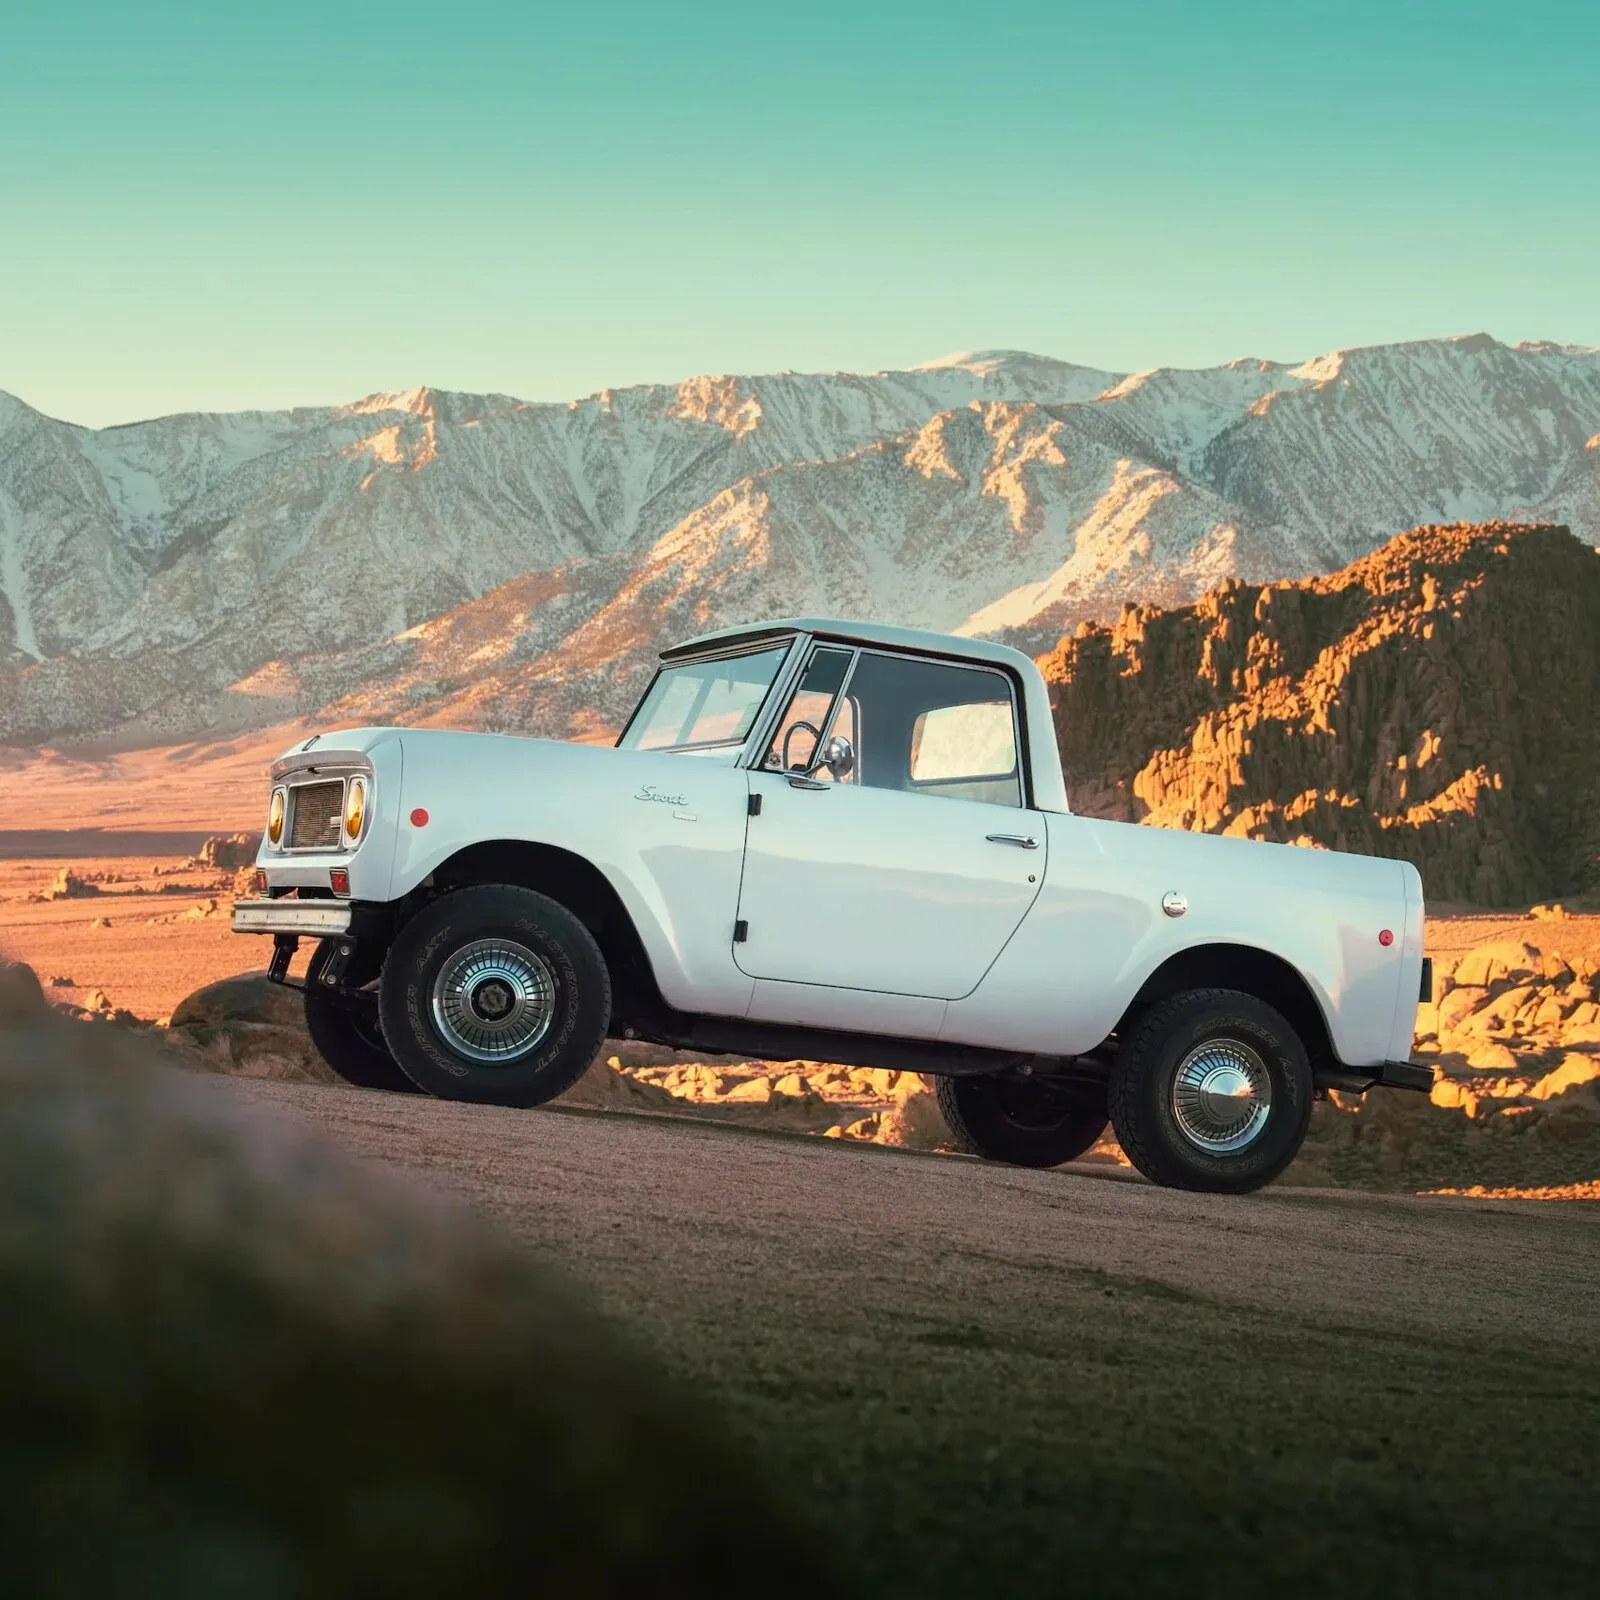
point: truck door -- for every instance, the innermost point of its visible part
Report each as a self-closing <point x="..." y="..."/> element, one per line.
<point x="907" y="866"/>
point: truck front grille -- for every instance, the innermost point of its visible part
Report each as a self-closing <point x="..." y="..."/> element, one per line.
<point x="317" y="819"/>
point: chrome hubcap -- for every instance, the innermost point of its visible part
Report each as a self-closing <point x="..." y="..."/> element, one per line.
<point x="1222" y="1096"/>
<point x="493" y="1001"/>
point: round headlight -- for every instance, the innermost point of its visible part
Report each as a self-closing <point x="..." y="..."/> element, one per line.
<point x="355" y="808"/>
<point x="275" y="816"/>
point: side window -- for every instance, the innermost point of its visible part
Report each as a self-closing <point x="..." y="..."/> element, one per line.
<point x="794" y="744"/>
<point x="960" y="742"/>
<point x="935" y="729"/>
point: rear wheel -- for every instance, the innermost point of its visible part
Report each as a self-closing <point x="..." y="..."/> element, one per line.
<point x="344" y="1026"/>
<point x="1211" y="1091"/>
<point x="1029" y="1122"/>
<point x="496" y="995"/>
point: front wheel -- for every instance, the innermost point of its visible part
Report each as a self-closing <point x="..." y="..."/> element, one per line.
<point x="1030" y="1122"/>
<point x="1211" y="1091"/>
<point x="495" y="995"/>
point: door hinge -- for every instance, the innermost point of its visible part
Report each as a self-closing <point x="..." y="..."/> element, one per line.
<point x="741" y="931"/>
<point x="753" y="807"/>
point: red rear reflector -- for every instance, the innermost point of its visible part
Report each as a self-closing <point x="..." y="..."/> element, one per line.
<point x="261" y="880"/>
<point x="419" y="818"/>
<point x="339" y="877"/>
<point x="1386" y="938"/>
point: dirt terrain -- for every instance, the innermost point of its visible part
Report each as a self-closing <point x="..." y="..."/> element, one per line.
<point x="1515" y="1107"/>
<point x="978" y="1380"/>
<point x="140" y="922"/>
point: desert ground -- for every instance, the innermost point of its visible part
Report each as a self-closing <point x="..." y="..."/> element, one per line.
<point x="106" y="893"/>
<point x="978" y="1380"/>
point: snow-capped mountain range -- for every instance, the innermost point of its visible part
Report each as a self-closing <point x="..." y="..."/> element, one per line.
<point x="481" y="560"/>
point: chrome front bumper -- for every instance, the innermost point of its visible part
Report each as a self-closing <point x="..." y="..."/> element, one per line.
<point x="315" y="918"/>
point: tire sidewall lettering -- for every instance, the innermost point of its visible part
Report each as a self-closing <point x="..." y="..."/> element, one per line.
<point x="581" y="1002"/>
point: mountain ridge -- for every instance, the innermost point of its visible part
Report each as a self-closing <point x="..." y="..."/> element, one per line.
<point x="149" y="570"/>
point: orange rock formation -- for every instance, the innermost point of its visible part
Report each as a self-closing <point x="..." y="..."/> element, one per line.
<point x="1438" y="700"/>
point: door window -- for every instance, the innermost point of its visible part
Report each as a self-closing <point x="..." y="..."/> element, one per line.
<point x="929" y="728"/>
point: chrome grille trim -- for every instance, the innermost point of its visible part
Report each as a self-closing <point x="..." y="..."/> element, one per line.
<point x="316" y="815"/>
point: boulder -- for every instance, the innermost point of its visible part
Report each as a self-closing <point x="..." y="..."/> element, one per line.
<point x="22" y="1001"/>
<point x="1454" y="1093"/>
<point x="67" y="885"/>
<point x="250" y="997"/>
<point x="227" y="852"/>
<point x="1577" y="1071"/>
<point x="1493" y="963"/>
<point x="234" y="1361"/>
<point x="1555" y="913"/>
<point x="1458" y="1005"/>
<point x="1490" y="1057"/>
<point x="914" y="1121"/>
<point x="250" y="1026"/>
<point x="605" y="1087"/>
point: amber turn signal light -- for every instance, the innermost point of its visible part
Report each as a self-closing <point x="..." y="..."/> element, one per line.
<point x="275" y="815"/>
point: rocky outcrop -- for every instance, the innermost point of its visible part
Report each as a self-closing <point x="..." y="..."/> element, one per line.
<point x="1436" y="701"/>
<point x="68" y="885"/>
<point x="233" y="1361"/>
<point x="248" y="1027"/>
<point x="227" y="852"/>
<point x="1514" y="1039"/>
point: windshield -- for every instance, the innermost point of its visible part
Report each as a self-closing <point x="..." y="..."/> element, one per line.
<point x="704" y="703"/>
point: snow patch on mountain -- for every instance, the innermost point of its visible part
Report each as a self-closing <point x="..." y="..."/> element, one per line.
<point x="428" y="554"/>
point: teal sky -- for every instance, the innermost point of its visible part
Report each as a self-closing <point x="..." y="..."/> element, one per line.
<point x="211" y="206"/>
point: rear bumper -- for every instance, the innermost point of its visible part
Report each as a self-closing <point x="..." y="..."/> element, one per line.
<point x="1405" y="1075"/>
<point x="1390" y="1075"/>
<point x="317" y="919"/>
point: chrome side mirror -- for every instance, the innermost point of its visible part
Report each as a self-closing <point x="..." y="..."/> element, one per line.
<point x="838" y="757"/>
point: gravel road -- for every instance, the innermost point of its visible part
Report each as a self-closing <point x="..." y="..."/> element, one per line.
<point x="649" y="1209"/>
<point x="956" y="1365"/>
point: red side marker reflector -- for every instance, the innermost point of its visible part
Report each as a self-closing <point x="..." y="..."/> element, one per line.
<point x="339" y="879"/>
<point x="1386" y="938"/>
<point x="419" y="818"/>
<point x="261" y="880"/>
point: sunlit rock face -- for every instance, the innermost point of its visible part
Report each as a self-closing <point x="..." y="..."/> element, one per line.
<point x="481" y="561"/>
<point x="1436" y="700"/>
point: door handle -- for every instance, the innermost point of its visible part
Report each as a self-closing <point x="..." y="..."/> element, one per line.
<point x="808" y="783"/>
<point x="1024" y="841"/>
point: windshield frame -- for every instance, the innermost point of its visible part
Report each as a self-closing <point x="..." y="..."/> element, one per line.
<point x="733" y="650"/>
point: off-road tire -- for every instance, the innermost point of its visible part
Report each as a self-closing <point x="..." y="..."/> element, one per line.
<point x="579" y="1010"/>
<point x="1021" y="1120"/>
<point x="1141" y="1091"/>
<point x="345" y="1029"/>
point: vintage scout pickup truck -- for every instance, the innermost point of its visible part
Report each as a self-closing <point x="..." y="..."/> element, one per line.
<point x="847" y="843"/>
